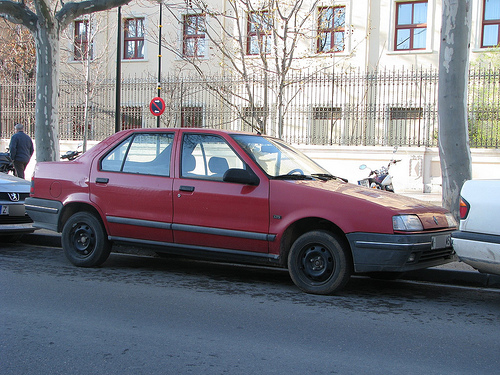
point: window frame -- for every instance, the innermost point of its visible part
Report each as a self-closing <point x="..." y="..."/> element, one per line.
<point x="192" y="116"/>
<point x="484" y="23"/>
<point x="148" y="167"/>
<point x="260" y="33"/>
<point x="136" y="40"/>
<point x="80" y="42"/>
<point x="131" y="117"/>
<point x="411" y="27"/>
<point x="331" y="30"/>
<point x="200" y="147"/>
<point x="197" y="37"/>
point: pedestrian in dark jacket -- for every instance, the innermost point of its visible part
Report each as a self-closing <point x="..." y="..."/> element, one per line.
<point x="21" y="150"/>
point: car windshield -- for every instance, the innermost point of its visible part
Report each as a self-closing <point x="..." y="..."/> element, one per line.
<point x="278" y="159"/>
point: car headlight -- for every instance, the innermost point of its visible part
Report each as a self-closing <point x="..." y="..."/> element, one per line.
<point x="408" y="223"/>
<point x="451" y="220"/>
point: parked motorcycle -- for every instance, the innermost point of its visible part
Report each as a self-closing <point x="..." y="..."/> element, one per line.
<point x="379" y="178"/>
<point x="6" y="164"/>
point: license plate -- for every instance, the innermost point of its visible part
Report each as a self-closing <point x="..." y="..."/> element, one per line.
<point x="4" y="210"/>
<point x="441" y="242"/>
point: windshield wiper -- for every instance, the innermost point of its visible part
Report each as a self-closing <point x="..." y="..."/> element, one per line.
<point x="293" y="177"/>
<point x="327" y="176"/>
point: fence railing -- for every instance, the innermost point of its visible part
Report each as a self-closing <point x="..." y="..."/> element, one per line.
<point x="387" y="107"/>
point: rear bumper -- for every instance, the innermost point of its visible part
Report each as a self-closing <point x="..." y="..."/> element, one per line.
<point x="481" y="251"/>
<point x="374" y="252"/>
<point x="44" y="212"/>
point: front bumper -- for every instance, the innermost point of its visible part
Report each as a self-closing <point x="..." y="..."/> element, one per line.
<point x="16" y="221"/>
<point x="8" y="229"/>
<point x="375" y="252"/>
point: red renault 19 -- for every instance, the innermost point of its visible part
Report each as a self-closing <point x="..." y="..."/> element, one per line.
<point x="238" y="197"/>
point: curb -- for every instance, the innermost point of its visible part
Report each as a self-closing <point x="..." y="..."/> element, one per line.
<point x="43" y="237"/>
<point x="454" y="277"/>
<point x="440" y="274"/>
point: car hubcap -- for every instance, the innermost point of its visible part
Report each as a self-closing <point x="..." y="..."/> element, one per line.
<point x="317" y="263"/>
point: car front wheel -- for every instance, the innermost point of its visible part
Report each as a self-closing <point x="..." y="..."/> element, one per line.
<point x="84" y="240"/>
<point x="319" y="263"/>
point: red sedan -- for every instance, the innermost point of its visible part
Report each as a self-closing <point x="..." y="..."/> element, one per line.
<point x="236" y="197"/>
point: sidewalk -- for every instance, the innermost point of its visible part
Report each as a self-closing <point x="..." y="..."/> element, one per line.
<point x="455" y="273"/>
<point x="434" y="198"/>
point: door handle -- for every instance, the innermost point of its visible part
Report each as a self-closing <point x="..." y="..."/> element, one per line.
<point x="101" y="180"/>
<point x="186" y="188"/>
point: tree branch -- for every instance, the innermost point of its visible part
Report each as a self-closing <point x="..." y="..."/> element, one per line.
<point x="71" y="11"/>
<point x="18" y="13"/>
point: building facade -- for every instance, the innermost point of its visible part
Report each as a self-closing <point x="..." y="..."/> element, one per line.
<point x="220" y="37"/>
<point x="347" y="80"/>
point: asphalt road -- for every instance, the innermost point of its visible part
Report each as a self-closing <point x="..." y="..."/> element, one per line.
<point x="144" y="315"/>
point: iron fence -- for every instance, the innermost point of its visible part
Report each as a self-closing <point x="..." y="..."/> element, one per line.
<point x="387" y="107"/>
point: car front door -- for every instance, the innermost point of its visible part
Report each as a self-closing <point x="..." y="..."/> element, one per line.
<point x="131" y="185"/>
<point x="211" y="213"/>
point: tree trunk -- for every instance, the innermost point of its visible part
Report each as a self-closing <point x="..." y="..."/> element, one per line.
<point x="454" y="151"/>
<point x="47" y="81"/>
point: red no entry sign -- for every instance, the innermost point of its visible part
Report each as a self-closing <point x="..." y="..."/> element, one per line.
<point x="157" y="106"/>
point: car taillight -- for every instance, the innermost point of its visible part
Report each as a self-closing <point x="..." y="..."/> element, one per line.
<point x="464" y="208"/>
<point x="32" y="188"/>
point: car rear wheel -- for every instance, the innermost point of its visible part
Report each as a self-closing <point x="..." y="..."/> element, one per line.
<point x="84" y="240"/>
<point x="319" y="263"/>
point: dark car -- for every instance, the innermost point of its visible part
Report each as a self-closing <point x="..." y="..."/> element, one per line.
<point x="14" y="222"/>
<point x="236" y="197"/>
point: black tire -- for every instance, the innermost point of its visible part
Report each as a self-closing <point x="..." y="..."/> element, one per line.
<point x="84" y="240"/>
<point x="319" y="263"/>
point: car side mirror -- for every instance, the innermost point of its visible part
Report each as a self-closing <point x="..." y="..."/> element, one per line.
<point x="241" y="176"/>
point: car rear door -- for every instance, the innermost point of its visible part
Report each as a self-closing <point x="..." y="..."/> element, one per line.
<point x="131" y="184"/>
<point x="211" y="213"/>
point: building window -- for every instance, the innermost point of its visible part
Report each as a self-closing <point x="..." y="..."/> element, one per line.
<point x="133" y="38"/>
<point x="403" y="113"/>
<point x="131" y="117"/>
<point x="402" y="121"/>
<point x="331" y="29"/>
<point x="192" y="117"/>
<point x="253" y="118"/>
<point x="259" y="33"/>
<point x="194" y="35"/>
<point x="411" y="25"/>
<point x="78" y="122"/>
<point x="325" y="127"/>
<point x="491" y="24"/>
<point x="81" y="40"/>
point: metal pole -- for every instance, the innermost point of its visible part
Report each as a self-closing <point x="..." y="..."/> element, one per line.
<point x="118" y="72"/>
<point x="159" y="62"/>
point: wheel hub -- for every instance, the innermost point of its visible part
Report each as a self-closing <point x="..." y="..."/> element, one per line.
<point x="83" y="239"/>
<point x="317" y="263"/>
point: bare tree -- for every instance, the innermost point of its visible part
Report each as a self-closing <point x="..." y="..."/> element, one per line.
<point x="46" y="19"/>
<point x="252" y="38"/>
<point x="454" y="151"/>
<point x="17" y="52"/>
<point x="87" y="62"/>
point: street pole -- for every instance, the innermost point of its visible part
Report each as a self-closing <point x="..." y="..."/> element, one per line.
<point x="159" y="61"/>
<point x="118" y="72"/>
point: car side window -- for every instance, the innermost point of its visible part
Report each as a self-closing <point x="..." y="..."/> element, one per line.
<point x="207" y="157"/>
<point x="141" y="154"/>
